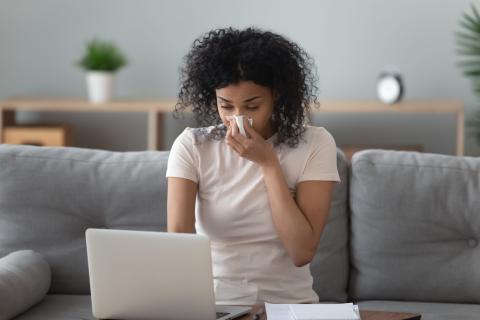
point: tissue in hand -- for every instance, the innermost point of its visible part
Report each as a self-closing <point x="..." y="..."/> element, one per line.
<point x="239" y="121"/>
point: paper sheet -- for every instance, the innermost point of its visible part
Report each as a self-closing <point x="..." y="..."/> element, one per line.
<point x="338" y="311"/>
<point x="278" y="311"/>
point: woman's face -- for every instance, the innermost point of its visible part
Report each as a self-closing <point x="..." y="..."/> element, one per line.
<point x="249" y="99"/>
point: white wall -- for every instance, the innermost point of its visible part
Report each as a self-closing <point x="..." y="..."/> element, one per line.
<point x="351" y="41"/>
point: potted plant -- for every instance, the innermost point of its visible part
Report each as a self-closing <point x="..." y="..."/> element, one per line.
<point x="468" y="41"/>
<point x="101" y="60"/>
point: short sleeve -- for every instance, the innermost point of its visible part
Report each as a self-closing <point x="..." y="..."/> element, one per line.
<point x="321" y="163"/>
<point x="183" y="158"/>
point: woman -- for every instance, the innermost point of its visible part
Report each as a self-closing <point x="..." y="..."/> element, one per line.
<point x="263" y="198"/>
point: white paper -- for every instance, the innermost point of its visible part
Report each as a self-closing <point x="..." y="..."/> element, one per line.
<point x="338" y="311"/>
<point x="278" y="311"/>
<point x="357" y="311"/>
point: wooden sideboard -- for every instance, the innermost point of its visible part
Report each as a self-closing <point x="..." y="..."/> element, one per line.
<point x="157" y="109"/>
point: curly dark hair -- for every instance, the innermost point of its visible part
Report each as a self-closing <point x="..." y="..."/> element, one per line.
<point x="226" y="56"/>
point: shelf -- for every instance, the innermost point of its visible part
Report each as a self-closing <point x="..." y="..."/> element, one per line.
<point x="156" y="110"/>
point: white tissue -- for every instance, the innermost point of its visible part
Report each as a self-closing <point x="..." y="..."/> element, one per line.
<point x="239" y="121"/>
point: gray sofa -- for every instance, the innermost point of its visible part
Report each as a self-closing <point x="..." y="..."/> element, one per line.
<point x="402" y="234"/>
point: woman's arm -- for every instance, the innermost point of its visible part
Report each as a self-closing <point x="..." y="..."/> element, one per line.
<point x="181" y="197"/>
<point x="299" y="223"/>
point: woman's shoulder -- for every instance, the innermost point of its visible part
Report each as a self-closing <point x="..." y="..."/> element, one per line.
<point x="317" y="135"/>
<point x="196" y="136"/>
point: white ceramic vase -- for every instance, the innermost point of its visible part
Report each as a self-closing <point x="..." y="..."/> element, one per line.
<point x="100" y="86"/>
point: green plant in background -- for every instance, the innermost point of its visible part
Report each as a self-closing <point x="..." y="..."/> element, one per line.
<point x="102" y="56"/>
<point x="468" y="41"/>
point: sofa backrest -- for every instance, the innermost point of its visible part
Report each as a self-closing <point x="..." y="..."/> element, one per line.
<point x="49" y="196"/>
<point x="330" y="266"/>
<point x="415" y="227"/>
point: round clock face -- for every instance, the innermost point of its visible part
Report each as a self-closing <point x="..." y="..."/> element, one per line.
<point x="388" y="89"/>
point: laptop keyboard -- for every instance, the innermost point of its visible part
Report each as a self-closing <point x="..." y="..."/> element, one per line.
<point x="222" y="314"/>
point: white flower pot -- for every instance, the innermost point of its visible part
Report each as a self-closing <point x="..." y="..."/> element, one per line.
<point x="100" y="86"/>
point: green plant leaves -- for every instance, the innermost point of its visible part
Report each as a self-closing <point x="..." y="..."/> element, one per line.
<point x="468" y="41"/>
<point x="102" y="56"/>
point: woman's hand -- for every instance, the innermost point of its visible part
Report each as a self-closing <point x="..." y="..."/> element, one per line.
<point x="253" y="147"/>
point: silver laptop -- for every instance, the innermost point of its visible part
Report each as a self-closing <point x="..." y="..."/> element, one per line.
<point x="153" y="275"/>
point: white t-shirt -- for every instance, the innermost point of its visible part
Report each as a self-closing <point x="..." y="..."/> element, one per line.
<point x="250" y="264"/>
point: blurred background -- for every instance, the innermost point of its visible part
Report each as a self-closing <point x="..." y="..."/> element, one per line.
<point x="351" y="41"/>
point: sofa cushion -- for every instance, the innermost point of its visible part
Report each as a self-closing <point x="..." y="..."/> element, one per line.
<point x="24" y="281"/>
<point x="415" y="227"/>
<point x="428" y="310"/>
<point x="60" y="307"/>
<point x="49" y="196"/>
<point x="330" y="265"/>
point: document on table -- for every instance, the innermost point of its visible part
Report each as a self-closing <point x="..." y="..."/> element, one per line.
<point x="278" y="311"/>
<point x="340" y="311"/>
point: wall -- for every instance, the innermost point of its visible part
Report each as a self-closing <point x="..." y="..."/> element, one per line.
<point x="351" y="42"/>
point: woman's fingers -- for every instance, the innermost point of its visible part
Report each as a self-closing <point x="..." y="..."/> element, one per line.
<point x="236" y="146"/>
<point x="250" y="131"/>
<point x="232" y="140"/>
<point x="236" y="133"/>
